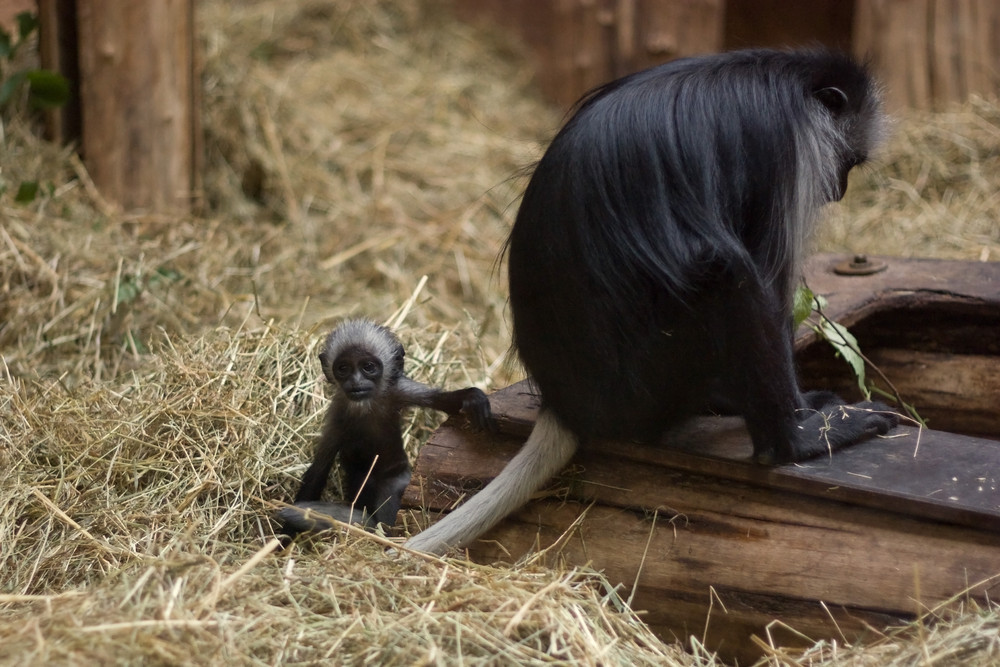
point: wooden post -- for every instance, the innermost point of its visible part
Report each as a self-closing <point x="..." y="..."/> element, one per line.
<point x="930" y="52"/>
<point x="138" y="98"/>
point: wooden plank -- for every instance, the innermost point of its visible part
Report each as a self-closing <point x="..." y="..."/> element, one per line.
<point x="824" y="569"/>
<point x="934" y="474"/>
<point x="626" y="49"/>
<point x="870" y="535"/>
<point x="929" y="325"/>
<point x="820" y="546"/>
<point x="926" y="475"/>
<point x="770" y="543"/>
<point x="923" y="474"/>
<point x="930" y="53"/>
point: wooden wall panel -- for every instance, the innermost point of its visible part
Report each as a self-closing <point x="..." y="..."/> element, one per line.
<point x="930" y="53"/>
<point x="579" y="44"/>
<point x="787" y="23"/>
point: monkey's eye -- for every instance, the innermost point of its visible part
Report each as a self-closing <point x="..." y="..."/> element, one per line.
<point x="342" y="371"/>
<point x="371" y="369"/>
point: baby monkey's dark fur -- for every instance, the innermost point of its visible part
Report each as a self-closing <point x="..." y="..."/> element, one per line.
<point x="364" y="362"/>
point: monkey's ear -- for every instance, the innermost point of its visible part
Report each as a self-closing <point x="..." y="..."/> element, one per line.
<point x="326" y="363"/>
<point x="832" y="98"/>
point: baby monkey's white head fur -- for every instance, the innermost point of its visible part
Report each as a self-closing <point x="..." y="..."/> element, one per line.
<point x="362" y="359"/>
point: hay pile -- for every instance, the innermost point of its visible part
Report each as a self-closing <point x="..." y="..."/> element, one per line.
<point x="158" y="385"/>
<point x="932" y="191"/>
<point x="134" y="530"/>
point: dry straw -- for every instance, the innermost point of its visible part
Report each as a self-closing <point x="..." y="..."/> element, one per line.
<point x="159" y="394"/>
<point x="135" y="528"/>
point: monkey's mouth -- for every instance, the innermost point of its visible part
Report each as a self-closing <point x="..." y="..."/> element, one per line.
<point x="359" y="394"/>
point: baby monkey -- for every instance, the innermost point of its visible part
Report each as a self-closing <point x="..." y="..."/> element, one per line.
<point x="364" y="362"/>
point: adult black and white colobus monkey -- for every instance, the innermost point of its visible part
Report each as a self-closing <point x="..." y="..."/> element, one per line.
<point x="364" y="361"/>
<point x="655" y="254"/>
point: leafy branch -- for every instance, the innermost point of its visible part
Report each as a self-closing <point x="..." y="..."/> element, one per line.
<point x="846" y="347"/>
<point x="46" y="89"/>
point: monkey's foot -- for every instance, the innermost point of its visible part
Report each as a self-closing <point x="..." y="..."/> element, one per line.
<point x="314" y="516"/>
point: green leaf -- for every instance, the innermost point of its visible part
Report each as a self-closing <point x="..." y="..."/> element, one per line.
<point x="9" y="87"/>
<point x="802" y="304"/>
<point x="26" y="24"/>
<point x="26" y="192"/>
<point x="164" y="275"/>
<point x="263" y="51"/>
<point x="846" y="345"/>
<point x="47" y="89"/>
<point x="135" y="343"/>
<point x="129" y="290"/>
<point x="6" y="46"/>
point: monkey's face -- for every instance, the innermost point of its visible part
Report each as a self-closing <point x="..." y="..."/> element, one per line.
<point x="357" y="372"/>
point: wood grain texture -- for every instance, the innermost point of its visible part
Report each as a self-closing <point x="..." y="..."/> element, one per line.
<point x="871" y="535"/>
<point x="930" y="53"/>
<point x="138" y="101"/>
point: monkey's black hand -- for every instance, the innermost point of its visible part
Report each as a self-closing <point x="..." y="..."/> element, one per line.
<point x="837" y="425"/>
<point x="876" y="417"/>
<point x="476" y="408"/>
<point x="879" y="418"/>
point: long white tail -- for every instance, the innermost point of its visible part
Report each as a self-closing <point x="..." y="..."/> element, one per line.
<point x="547" y="451"/>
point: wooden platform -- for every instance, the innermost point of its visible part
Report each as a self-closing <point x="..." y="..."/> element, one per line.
<point x="717" y="547"/>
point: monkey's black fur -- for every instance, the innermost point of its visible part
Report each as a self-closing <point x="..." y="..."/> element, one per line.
<point x="364" y="361"/>
<point x="654" y="257"/>
<point x="655" y="253"/>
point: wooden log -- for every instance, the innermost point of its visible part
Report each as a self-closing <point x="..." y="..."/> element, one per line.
<point x="872" y="535"/>
<point x="138" y="91"/>
<point x="820" y="547"/>
<point x="958" y="393"/>
<point x="930" y="326"/>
